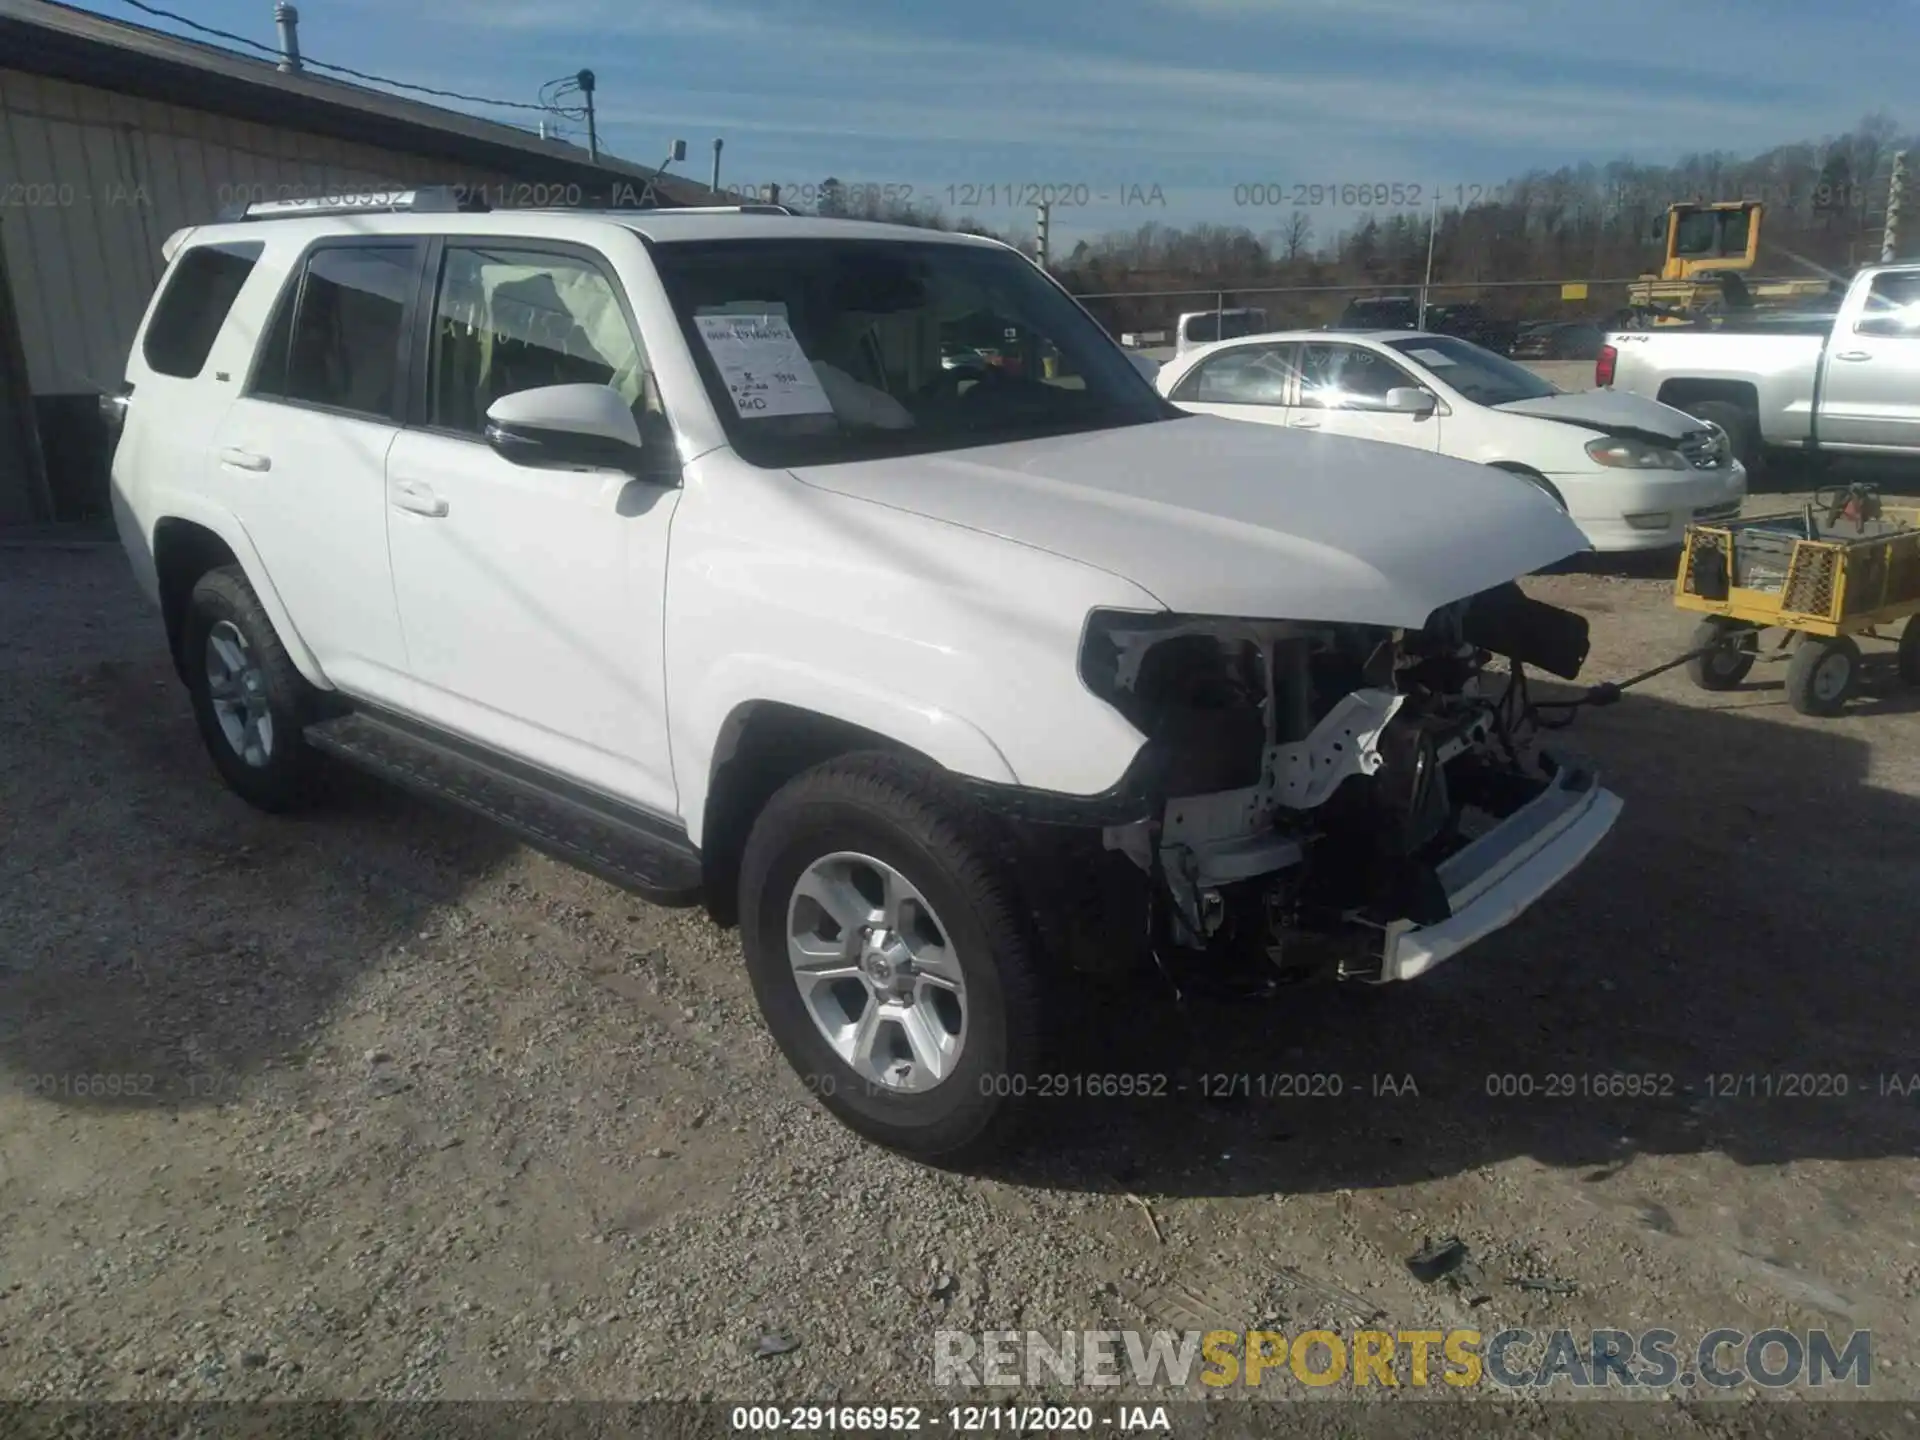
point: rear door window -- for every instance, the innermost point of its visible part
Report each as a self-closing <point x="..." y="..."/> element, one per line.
<point x="1244" y="375"/>
<point x="199" y="295"/>
<point x="339" y="337"/>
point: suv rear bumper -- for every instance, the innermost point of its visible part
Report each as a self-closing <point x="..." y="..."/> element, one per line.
<point x="1498" y="876"/>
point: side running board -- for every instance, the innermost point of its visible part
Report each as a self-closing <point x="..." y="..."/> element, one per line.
<point x="623" y="846"/>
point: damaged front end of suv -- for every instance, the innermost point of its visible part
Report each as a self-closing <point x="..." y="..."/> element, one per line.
<point x="1340" y="799"/>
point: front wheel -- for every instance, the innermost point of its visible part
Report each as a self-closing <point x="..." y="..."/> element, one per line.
<point x="1823" y="674"/>
<point x="1735" y="647"/>
<point x="890" y="958"/>
<point x="1534" y="478"/>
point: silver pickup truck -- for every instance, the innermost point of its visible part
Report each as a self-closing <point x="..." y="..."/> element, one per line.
<point x="1848" y="381"/>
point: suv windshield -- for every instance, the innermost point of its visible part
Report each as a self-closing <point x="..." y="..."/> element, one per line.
<point x="819" y="351"/>
<point x="1480" y="375"/>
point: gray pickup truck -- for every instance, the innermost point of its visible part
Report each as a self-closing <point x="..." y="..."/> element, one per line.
<point x="1847" y="381"/>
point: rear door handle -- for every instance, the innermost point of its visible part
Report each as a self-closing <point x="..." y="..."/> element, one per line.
<point x="418" y="496"/>
<point x="245" y="460"/>
<point x="1854" y="355"/>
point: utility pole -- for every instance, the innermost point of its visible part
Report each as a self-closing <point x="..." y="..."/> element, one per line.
<point x="585" y="79"/>
<point x="1433" y="227"/>
<point x="717" y="143"/>
<point x="1041" y="213"/>
<point x="1889" y="237"/>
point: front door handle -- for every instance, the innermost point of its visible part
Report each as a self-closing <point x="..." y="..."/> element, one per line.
<point x="418" y="496"/>
<point x="1305" y="422"/>
<point x="1854" y="355"/>
<point x="245" y="460"/>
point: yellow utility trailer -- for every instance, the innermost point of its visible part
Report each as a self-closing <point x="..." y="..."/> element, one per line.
<point x="1842" y="567"/>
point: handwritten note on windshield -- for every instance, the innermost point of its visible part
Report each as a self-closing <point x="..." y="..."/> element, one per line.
<point x="766" y="371"/>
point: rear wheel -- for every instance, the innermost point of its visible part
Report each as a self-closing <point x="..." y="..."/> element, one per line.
<point x="1726" y="665"/>
<point x="248" y="698"/>
<point x="1823" y="674"/>
<point x="890" y="958"/>
<point x="1909" y="652"/>
<point x="1743" y="431"/>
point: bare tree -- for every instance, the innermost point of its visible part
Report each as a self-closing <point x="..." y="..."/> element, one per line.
<point x="1579" y="222"/>
<point x="1296" y="237"/>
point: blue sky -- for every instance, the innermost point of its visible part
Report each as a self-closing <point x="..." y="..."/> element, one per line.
<point x="1193" y="96"/>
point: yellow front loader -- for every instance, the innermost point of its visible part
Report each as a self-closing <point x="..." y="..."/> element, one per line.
<point x="1708" y="250"/>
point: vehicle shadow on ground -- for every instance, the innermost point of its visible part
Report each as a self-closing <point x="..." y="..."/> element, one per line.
<point x="1746" y="918"/>
<point x="1626" y="565"/>
<point x="161" y="941"/>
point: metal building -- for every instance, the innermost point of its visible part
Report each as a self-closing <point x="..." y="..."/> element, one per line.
<point x="112" y="136"/>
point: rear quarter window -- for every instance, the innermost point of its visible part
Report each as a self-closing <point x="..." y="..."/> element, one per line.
<point x="199" y="293"/>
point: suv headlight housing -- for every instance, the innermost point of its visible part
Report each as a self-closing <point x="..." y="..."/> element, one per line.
<point x="1623" y="452"/>
<point x="1194" y="686"/>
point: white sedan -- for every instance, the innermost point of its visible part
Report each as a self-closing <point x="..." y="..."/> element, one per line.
<point x="1630" y="471"/>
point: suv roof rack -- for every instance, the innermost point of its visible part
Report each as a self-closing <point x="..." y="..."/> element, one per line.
<point x="426" y="200"/>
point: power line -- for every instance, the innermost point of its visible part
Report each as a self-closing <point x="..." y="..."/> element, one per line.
<point x="228" y="35"/>
<point x="554" y="91"/>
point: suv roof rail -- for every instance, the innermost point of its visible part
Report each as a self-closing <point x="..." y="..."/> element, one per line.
<point x="759" y="208"/>
<point x="426" y="199"/>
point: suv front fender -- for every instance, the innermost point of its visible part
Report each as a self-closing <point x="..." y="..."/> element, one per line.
<point x="737" y="684"/>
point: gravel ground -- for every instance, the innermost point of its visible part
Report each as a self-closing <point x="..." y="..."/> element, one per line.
<point x="375" y="1104"/>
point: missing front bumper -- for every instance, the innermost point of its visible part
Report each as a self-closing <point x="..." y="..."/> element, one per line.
<point x="1493" y="880"/>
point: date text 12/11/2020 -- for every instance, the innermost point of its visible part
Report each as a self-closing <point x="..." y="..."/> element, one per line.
<point x="985" y="195"/>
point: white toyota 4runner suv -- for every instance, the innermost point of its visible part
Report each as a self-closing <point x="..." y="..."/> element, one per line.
<point x="667" y="540"/>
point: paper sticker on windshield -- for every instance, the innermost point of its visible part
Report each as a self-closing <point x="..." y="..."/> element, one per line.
<point x="1435" y="358"/>
<point x="765" y="370"/>
<point x="746" y="307"/>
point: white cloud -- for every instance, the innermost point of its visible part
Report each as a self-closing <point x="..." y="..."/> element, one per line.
<point x="809" y="88"/>
<point x="1048" y="100"/>
<point x="636" y="18"/>
<point x="1416" y="16"/>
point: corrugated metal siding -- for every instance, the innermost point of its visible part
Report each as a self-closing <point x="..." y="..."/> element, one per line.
<point x="92" y="182"/>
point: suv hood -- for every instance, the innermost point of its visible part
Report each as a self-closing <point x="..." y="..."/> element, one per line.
<point x="1611" y="412"/>
<point x="1219" y="517"/>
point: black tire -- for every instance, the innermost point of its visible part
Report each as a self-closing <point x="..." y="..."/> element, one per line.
<point x="1534" y="478"/>
<point x="1816" y="683"/>
<point x="282" y="776"/>
<point x="1909" y="652"/>
<point x="1743" y="430"/>
<point x="899" y="813"/>
<point x="1737" y="646"/>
